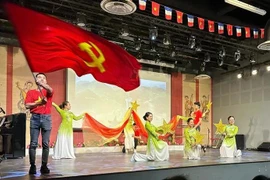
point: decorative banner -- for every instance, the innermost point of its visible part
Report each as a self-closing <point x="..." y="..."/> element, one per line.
<point x="255" y="33"/>
<point x="201" y="23"/>
<point x="155" y="8"/>
<point x="238" y="31"/>
<point x="220" y="28"/>
<point x="247" y="29"/>
<point x="211" y="26"/>
<point x="262" y="33"/>
<point x="179" y="15"/>
<point x="190" y="21"/>
<point x="168" y="13"/>
<point x="230" y="29"/>
<point x="142" y="5"/>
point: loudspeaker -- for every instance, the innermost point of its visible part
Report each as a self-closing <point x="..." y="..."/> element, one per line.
<point x="265" y="146"/>
<point x="240" y="141"/>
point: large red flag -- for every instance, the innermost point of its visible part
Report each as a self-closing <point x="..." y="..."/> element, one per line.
<point x="50" y="44"/>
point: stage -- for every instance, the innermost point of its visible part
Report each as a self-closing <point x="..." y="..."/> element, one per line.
<point x="116" y="165"/>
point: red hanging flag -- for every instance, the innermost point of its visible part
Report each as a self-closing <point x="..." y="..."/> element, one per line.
<point x="155" y="8"/>
<point x="201" y="23"/>
<point x="247" y="32"/>
<point x="179" y="17"/>
<point x="262" y="33"/>
<point x="211" y="26"/>
<point x="230" y="29"/>
<point x="50" y="44"/>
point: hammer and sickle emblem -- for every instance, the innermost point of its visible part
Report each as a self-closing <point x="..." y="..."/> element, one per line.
<point x="97" y="61"/>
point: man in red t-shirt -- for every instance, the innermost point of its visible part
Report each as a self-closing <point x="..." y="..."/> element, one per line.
<point x="39" y="101"/>
<point x="137" y="136"/>
<point x="197" y="115"/>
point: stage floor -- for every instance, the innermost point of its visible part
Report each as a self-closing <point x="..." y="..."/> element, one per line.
<point x="104" y="163"/>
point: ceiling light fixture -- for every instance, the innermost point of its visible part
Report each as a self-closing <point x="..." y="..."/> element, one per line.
<point x="246" y="6"/>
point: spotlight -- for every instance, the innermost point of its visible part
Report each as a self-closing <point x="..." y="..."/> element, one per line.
<point x="254" y="72"/>
<point x="153" y="33"/>
<point x="239" y="75"/>
<point x="203" y="66"/>
<point x="222" y="52"/>
<point x="192" y="42"/>
<point x="252" y="59"/>
<point x="101" y="32"/>
<point x="157" y="58"/>
<point x="124" y="30"/>
<point x="198" y="47"/>
<point x="220" y="61"/>
<point x="153" y="47"/>
<point x="268" y="68"/>
<point x="167" y="40"/>
<point x="138" y="44"/>
<point x="139" y="55"/>
<point x="207" y="57"/>
<point x="81" y="19"/>
<point x="237" y="55"/>
<point x="173" y="53"/>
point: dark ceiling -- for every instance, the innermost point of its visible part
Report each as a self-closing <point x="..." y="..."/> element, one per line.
<point x="186" y="59"/>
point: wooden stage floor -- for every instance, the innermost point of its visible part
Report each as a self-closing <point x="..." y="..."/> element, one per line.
<point x="106" y="163"/>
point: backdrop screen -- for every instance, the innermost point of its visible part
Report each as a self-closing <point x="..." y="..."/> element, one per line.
<point x="108" y="103"/>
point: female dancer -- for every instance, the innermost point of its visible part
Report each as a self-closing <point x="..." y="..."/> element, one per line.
<point x="64" y="142"/>
<point x="157" y="150"/>
<point x="191" y="149"/>
<point x="228" y="147"/>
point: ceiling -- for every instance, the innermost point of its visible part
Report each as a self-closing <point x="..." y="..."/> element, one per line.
<point x="186" y="59"/>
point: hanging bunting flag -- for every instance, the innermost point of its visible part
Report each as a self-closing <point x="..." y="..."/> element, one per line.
<point x="190" y="20"/>
<point x="262" y="33"/>
<point x="230" y="29"/>
<point x="179" y="17"/>
<point x="155" y="8"/>
<point x="168" y="13"/>
<point x="247" y="32"/>
<point x="142" y="5"/>
<point x="220" y="28"/>
<point x="255" y="33"/>
<point x="201" y="23"/>
<point x="238" y="31"/>
<point x="211" y="26"/>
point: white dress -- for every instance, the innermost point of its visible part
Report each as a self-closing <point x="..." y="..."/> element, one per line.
<point x="228" y="147"/>
<point x="64" y="148"/>
<point x="157" y="150"/>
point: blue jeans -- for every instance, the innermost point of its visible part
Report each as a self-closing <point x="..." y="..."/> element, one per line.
<point x="43" y="123"/>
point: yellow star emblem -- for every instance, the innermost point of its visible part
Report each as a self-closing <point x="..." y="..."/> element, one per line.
<point x="183" y="118"/>
<point x="220" y="127"/>
<point x="39" y="100"/>
<point x="134" y="105"/>
<point x="199" y="138"/>
<point x="209" y="105"/>
<point x="165" y="128"/>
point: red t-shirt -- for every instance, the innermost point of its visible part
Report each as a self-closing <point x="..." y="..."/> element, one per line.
<point x="198" y="115"/>
<point x="35" y="95"/>
<point x="137" y="132"/>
